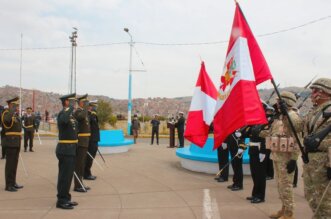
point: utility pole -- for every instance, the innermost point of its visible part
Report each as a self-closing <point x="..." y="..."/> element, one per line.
<point x="72" y="79"/>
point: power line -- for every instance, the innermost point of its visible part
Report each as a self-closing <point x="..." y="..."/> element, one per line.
<point x="175" y="44"/>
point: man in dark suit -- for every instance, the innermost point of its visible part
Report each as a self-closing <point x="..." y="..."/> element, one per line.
<point x="29" y="125"/>
<point x="155" y="129"/>
<point x="180" y="124"/>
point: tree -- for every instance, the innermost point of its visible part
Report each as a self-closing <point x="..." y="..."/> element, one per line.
<point x="104" y="112"/>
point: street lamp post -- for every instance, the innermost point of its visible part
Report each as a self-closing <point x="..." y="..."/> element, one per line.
<point x="130" y="82"/>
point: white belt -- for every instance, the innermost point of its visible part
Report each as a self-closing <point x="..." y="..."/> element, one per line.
<point x="257" y="144"/>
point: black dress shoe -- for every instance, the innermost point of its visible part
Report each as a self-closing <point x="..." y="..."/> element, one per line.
<point x="87" y="188"/>
<point x="237" y="188"/>
<point x="269" y="178"/>
<point x="66" y="206"/>
<point x="16" y="186"/>
<point x="90" y="177"/>
<point x="31" y="150"/>
<point x="72" y="203"/>
<point x="230" y="186"/>
<point x="250" y="198"/>
<point x="79" y="190"/>
<point x="294" y="185"/>
<point x="222" y="180"/>
<point x="11" y="189"/>
<point x="256" y="200"/>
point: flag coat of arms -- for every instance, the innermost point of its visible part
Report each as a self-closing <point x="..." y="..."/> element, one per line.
<point x="202" y="109"/>
<point x="238" y="102"/>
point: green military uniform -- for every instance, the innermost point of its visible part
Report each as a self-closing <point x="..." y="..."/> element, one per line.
<point x="315" y="172"/>
<point x="66" y="153"/>
<point x="84" y="133"/>
<point x="284" y="152"/>
<point x="94" y="139"/>
<point x="11" y="123"/>
<point x="29" y="127"/>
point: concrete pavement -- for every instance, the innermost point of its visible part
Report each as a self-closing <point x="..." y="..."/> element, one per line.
<point x="146" y="182"/>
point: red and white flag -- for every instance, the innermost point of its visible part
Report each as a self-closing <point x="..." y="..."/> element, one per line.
<point x="238" y="102"/>
<point x="202" y="109"/>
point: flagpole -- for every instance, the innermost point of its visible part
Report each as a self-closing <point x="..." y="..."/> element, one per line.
<point x="304" y="155"/>
<point x="20" y="109"/>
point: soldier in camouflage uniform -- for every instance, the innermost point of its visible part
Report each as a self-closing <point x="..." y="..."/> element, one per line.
<point x="317" y="173"/>
<point x="84" y="133"/>
<point x="285" y="152"/>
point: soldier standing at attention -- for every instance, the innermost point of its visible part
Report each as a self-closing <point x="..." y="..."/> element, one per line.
<point x="135" y="127"/>
<point x="94" y="139"/>
<point x="66" y="151"/>
<point x="236" y="152"/>
<point x="180" y="129"/>
<point x="29" y="124"/>
<point x="3" y="153"/>
<point x="285" y="152"/>
<point x="11" y="123"/>
<point x="84" y="133"/>
<point x="155" y="129"/>
<point x="223" y="160"/>
<point x="317" y="142"/>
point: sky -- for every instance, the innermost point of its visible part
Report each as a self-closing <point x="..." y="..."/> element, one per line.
<point x="161" y="69"/>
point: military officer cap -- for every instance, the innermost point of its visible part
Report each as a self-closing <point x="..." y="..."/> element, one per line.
<point x="14" y="100"/>
<point x="93" y="103"/>
<point x="289" y="98"/>
<point x="322" y="83"/>
<point x="68" y="96"/>
<point x="82" y="98"/>
<point x="181" y="113"/>
<point x="29" y="107"/>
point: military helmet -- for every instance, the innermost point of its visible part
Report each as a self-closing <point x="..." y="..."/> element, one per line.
<point x="322" y="83"/>
<point x="289" y="98"/>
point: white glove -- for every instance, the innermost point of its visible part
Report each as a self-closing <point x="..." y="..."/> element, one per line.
<point x="237" y="134"/>
<point x="240" y="151"/>
<point x="224" y="146"/>
<point x="262" y="157"/>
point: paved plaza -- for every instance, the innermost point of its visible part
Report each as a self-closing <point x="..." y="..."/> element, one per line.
<point x="146" y="182"/>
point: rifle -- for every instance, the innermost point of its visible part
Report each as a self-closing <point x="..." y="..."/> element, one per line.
<point x="298" y="95"/>
<point x="304" y="155"/>
<point x="272" y="93"/>
<point x="303" y="101"/>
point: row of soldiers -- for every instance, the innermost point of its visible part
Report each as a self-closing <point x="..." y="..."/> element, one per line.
<point x="278" y="137"/>
<point x="77" y="146"/>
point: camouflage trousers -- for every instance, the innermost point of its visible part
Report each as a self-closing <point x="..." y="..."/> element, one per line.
<point x="285" y="185"/>
<point x="315" y="182"/>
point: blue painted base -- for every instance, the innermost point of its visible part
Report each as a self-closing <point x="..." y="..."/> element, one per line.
<point x="113" y="138"/>
<point x="205" y="154"/>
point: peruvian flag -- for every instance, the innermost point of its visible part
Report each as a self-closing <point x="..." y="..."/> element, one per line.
<point x="238" y="102"/>
<point x="202" y="109"/>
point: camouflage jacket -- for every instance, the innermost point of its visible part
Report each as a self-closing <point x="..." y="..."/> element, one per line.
<point x="281" y="128"/>
<point x="314" y="124"/>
